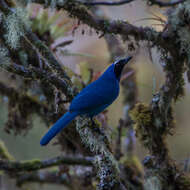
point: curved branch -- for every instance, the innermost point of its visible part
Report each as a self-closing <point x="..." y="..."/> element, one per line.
<point x="106" y="26"/>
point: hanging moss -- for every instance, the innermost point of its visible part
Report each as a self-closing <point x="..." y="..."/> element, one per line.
<point x="144" y="127"/>
<point x="15" y="23"/>
<point x="133" y="163"/>
<point x="31" y="164"/>
<point x="179" y="20"/>
<point x="141" y="115"/>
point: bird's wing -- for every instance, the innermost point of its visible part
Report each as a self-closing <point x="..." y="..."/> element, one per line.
<point x="88" y="101"/>
<point x="97" y="94"/>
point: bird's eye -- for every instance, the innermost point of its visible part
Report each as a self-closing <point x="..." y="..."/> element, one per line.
<point x="119" y="65"/>
<point x="116" y="62"/>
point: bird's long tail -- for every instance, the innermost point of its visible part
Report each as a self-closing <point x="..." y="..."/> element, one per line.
<point x="58" y="126"/>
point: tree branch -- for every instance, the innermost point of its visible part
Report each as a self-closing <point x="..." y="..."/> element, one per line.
<point x="35" y="73"/>
<point x="108" y="3"/>
<point x="106" y="26"/>
<point x="35" y="43"/>
<point x="32" y="165"/>
<point x="43" y="177"/>
<point x="80" y="181"/>
<point x="4" y="153"/>
<point x="165" y="4"/>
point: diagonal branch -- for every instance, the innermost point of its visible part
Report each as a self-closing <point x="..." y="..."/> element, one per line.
<point x="38" y="74"/>
<point x="34" y="42"/>
<point x="78" y="10"/>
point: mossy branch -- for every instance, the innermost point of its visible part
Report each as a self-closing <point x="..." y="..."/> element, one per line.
<point x="81" y="181"/>
<point x="106" y="26"/>
<point x="4" y="153"/>
<point x="33" y="165"/>
<point x="27" y="36"/>
<point x="162" y="3"/>
<point x="107" y="166"/>
<point x="34" y="73"/>
<point x="47" y="177"/>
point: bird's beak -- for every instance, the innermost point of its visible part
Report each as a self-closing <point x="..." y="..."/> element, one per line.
<point x="124" y="61"/>
<point x="128" y="59"/>
<point x="119" y="65"/>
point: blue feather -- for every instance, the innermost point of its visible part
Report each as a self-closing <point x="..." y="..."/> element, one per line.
<point x="58" y="126"/>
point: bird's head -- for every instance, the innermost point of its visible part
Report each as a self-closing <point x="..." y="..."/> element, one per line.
<point x="119" y="65"/>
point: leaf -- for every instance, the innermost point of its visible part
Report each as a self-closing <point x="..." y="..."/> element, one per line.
<point x="69" y="72"/>
<point x="77" y="83"/>
<point x="54" y="17"/>
<point x="85" y="72"/>
<point x="43" y="26"/>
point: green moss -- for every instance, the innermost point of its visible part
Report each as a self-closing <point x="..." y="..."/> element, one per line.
<point x="183" y="181"/>
<point x="141" y="114"/>
<point x="31" y="164"/>
<point x="4" y="154"/>
<point x="178" y="28"/>
<point x="133" y="163"/>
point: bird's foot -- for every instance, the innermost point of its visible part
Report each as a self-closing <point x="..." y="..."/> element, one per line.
<point x="96" y="128"/>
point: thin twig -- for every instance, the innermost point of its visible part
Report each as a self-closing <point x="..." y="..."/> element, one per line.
<point x="118" y="151"/>
<point x="108" y="3"/>
<point x="165" y="4"/>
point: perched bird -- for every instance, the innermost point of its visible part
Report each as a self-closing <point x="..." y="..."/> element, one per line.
<point x="93" y="99"/>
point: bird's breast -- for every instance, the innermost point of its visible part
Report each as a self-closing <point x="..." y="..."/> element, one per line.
<point x="110" y="89"/>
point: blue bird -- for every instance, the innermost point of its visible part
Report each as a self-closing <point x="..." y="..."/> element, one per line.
<point x="92" y="100"/>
